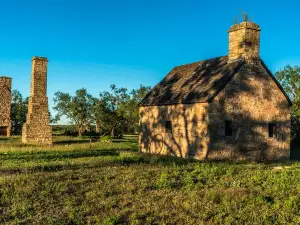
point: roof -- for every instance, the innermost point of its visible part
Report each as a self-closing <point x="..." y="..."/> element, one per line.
<point x="4" y="77"/>
<point x="197" y="82"/>
<point x="193" y="83"/>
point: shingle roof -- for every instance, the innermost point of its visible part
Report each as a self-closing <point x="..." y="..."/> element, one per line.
<point x="191" y="83"/>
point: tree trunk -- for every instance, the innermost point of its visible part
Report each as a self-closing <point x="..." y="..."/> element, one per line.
<point x="79" y="132"/>
<point x="112" y="133"/>
<point x="97" y="127"/>
<point x="79" y="128"/>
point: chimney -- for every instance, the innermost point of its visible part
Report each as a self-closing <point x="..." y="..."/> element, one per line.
<point x="244" y="42"/>
<point x="39" y="77"/>
<point x="37" y="128"/>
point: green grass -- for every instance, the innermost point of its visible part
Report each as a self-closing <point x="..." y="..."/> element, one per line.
<point x="109" y="182"/>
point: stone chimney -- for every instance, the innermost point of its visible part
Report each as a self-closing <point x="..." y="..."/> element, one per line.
<point x="244" y="42"/>
<point x="38" y="86"/>
<point x="37" y="128"/>
<point x="5" y="105"/>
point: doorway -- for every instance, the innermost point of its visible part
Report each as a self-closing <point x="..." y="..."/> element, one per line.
<point x="3" y="131"/>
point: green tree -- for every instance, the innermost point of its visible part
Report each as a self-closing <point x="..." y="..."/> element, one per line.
<point x="19" y="107"/>
<point x="114" y="111"/>
<point x="289" y="78"/>
<point x="78" y="108"/>
<point x="112" y="116"/>
<point x="117" y="111"/>
<point x="131" y="108"/>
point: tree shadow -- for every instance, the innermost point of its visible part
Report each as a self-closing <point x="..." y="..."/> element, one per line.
<point x="69" y="142"/>
<point x="4" y="139"/>
<point x="57" y="155"/>
<point x="133" y="141"/>
<point x="57" y="166"/>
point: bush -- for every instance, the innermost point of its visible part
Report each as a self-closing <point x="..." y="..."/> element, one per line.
<point x="106" y="138"/>
<point x="64" y="130"/>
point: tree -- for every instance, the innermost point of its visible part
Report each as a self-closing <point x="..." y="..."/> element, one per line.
<point x="131" y="109"/>
<point x="117" y="111"/>
<point x="289" y="78"/>
<point x="98" y="113"/>
<point x="19" y="107"/>
<point x="77" y="108"/>
<point x="114" y="111"/>
<point x="111" y="114"/>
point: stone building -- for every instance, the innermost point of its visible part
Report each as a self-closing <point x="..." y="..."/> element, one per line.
<point x="5" y="102"/>
<point x="37" y="128"/>
<point x="229" y="107"/>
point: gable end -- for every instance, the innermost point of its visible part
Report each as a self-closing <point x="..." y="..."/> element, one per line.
<point x="276" y="81"/>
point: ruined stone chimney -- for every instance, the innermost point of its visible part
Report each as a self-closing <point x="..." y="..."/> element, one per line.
<point x="37" y="128"/>
<point x="5" y="105"/>
<point x="244" y="42"/>
<point x="38" y="86"/>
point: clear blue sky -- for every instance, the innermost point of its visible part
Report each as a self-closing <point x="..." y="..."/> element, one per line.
<point x="95" y="43"/>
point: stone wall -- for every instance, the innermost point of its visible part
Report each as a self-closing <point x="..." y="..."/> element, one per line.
<point x="188" y="136"/>
<point x="251" y="100"/>
<point x="244" y="42"/>
<point x="37" y="128"/>
<point x="5" y="102"/>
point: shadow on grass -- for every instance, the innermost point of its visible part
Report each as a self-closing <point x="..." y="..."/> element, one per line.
<point x="4" y="139"/>
<point x="133" y="141"/>
<point x="115" y="160"/>
<point x="55" y="155"/>
<point x="135" y="150"/>
<point x="68" y="142"/>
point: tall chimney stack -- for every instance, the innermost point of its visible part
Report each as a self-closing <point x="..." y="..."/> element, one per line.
<point x="244" y="42"/>
<point x="5" y="105"/>
<point x="37" y="129"/>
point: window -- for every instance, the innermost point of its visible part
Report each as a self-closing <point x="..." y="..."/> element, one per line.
<point x="168" y="127"/>
<point x="272" y="129"/>
<point x="228" y="128"/>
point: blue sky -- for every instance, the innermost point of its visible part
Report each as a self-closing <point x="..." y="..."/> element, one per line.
<point x="93" y="44"/>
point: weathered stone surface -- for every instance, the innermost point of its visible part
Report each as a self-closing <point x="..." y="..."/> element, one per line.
<point x="251" y="100"/>
<point x="244" y="42"/>
<point x="5" y="102"/>
<point x="189" y="136"/>
<point x="37" y="129"/>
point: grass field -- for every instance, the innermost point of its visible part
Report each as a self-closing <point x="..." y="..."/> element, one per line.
<point x="74" y="182"/>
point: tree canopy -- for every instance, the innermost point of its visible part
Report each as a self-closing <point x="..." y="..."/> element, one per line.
<point x="113" y="112"/>
<point x="76" y="108"/>
<point x="19" y="107"/>
<point x="289" y="78"/>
